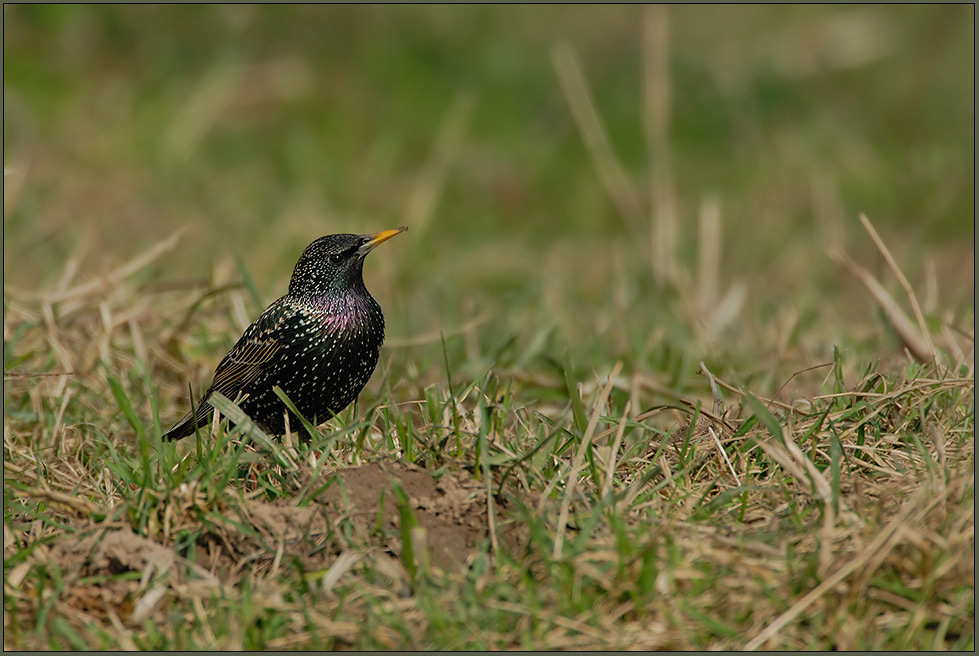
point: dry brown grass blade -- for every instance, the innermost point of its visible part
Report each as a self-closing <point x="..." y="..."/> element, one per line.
<point x="613" y="453"/>
<point x="83" y="507"/>
<point x="609" y="169"/>
<point x="715" y="393"/>
<point x="579" y="460"/>
<point x="202" y="109"/>
<point x="126" y="642"/>
<point x="727" y="460"/>
<point x="708" y="255"/>
<point x="52" y="333"/>
<point x="919" y="346"/>
<point x="896" y="270"/>
<point x="113" y="278"/>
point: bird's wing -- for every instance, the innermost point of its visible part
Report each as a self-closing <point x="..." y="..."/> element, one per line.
<point x="257" y="350"/>
<point x="259" y="347"/>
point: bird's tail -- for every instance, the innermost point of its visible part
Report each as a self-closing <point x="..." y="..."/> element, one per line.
<point x="189" y="423"/>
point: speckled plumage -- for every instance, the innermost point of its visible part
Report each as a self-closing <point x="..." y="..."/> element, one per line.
<point x="319" y="342"/>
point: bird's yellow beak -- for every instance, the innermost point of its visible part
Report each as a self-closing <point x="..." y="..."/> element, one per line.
<point x="378" y="238"/>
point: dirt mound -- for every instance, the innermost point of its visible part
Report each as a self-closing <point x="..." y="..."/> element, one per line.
<point x="452" y="510"/>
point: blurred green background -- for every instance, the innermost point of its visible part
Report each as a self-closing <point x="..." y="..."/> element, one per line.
<point x="263" y="127"/>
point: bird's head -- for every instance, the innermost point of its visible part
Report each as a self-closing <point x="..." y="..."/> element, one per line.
<point x="332" y="266"/>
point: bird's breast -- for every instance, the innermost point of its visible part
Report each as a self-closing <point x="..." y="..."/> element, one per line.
<point x="350" y="319"/>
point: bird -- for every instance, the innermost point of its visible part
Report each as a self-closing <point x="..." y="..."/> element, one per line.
<point x="319" y="343"/>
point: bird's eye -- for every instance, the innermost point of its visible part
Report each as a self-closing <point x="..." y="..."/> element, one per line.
<point x="336" y="258"/>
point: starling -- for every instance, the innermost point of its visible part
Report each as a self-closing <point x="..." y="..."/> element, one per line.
<point x="319" y="342"/>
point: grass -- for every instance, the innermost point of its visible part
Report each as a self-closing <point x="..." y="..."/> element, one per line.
<point x="680" y="339"/>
